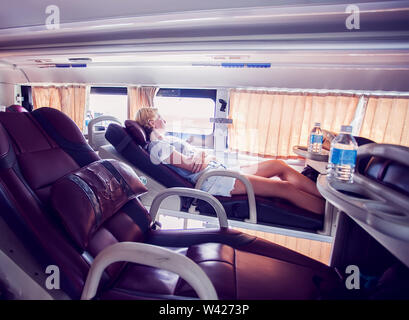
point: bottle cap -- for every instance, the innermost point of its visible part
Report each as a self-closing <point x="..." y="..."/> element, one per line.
<point x="317" y="124"/>
<point x="346" y="129"/>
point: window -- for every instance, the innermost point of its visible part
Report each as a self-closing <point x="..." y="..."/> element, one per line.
<point x="112" y="101"/>
<point x="187" y="113"/>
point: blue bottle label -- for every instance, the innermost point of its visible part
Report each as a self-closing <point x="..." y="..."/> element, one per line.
<point x="316" y="138"/>
<point x="343" y="157"/>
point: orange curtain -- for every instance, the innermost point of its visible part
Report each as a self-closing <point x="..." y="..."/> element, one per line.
<point x="387" y="120"/>
<point x="68" y="99"/>
<point x="271" y="123"/>
<point x="139" y="97"/>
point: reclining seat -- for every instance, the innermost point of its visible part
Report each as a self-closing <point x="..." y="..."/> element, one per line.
<point x="16" y="108"/>
<point x="67" y="206"/>
<point x="130" y="143"/>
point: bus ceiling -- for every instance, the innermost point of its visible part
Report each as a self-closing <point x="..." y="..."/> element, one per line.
<point x="292" y="44"/>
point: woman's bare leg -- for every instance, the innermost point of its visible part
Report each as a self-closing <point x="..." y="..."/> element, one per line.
<point x="267" y="169"/>
<point x="278" y="168"/>
<point x="282" y="189"/>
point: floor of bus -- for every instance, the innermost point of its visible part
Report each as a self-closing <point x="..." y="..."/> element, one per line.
<point x="317" y="250"/>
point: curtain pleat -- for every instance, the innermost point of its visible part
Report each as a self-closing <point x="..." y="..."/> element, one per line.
<point x="46" y="97"/>
<point x="271" y="123"/>
<point x="386" y="120"/>
<point x="139" y="97"/>
<point x="68" y="99"/>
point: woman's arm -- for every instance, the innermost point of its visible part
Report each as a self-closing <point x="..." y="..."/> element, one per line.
<point x="161" y="151"/>
<point x="328" y="137"/>
<point x="206" y="153"/>
<point x="195" y="164"/>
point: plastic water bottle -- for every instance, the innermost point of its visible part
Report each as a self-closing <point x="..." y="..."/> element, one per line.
<point x="342" y="156"/>
<point x="316" y="139"/>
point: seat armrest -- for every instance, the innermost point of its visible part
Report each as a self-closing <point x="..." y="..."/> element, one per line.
<point x="153" y="256"/>
<point x="193" y="193"/>
<point x="249" y="188"/>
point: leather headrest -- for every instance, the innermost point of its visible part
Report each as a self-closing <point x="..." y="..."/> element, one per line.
<point x="7" y="156"/>
<point x="86" y="198"/>
<point x="136" y="132"/>
<point x="388" y="172"/>
<point x="16" y="108"/>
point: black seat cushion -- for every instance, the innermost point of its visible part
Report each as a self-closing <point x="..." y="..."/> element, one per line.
<point x="270" y="211"/>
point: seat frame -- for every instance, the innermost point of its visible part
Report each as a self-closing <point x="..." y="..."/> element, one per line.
<point x="96" y="139"/>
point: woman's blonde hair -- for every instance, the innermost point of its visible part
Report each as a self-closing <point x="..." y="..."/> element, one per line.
<point x="143" y="116"/>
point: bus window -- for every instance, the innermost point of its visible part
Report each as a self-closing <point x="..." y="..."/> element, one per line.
<point x="188" y="114"/>
<point x="108" y="101"/>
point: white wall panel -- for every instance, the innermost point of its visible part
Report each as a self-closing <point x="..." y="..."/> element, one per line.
<point x="6" y="94"/>
<point x="8" y="78"/>
<point x="281" y="77"/>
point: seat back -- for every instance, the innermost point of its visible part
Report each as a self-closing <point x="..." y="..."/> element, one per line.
<point x="38" y="149"/>
<point x="388" y="172"/>
<point x="16" y="108"/>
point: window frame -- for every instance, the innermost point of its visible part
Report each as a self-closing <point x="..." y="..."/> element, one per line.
<point x="109" y="90"/>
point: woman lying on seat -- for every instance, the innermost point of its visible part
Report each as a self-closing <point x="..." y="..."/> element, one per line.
<point x="190" y="164"/>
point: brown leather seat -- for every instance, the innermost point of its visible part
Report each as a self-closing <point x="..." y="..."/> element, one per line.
<point x="66" y="204"/>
